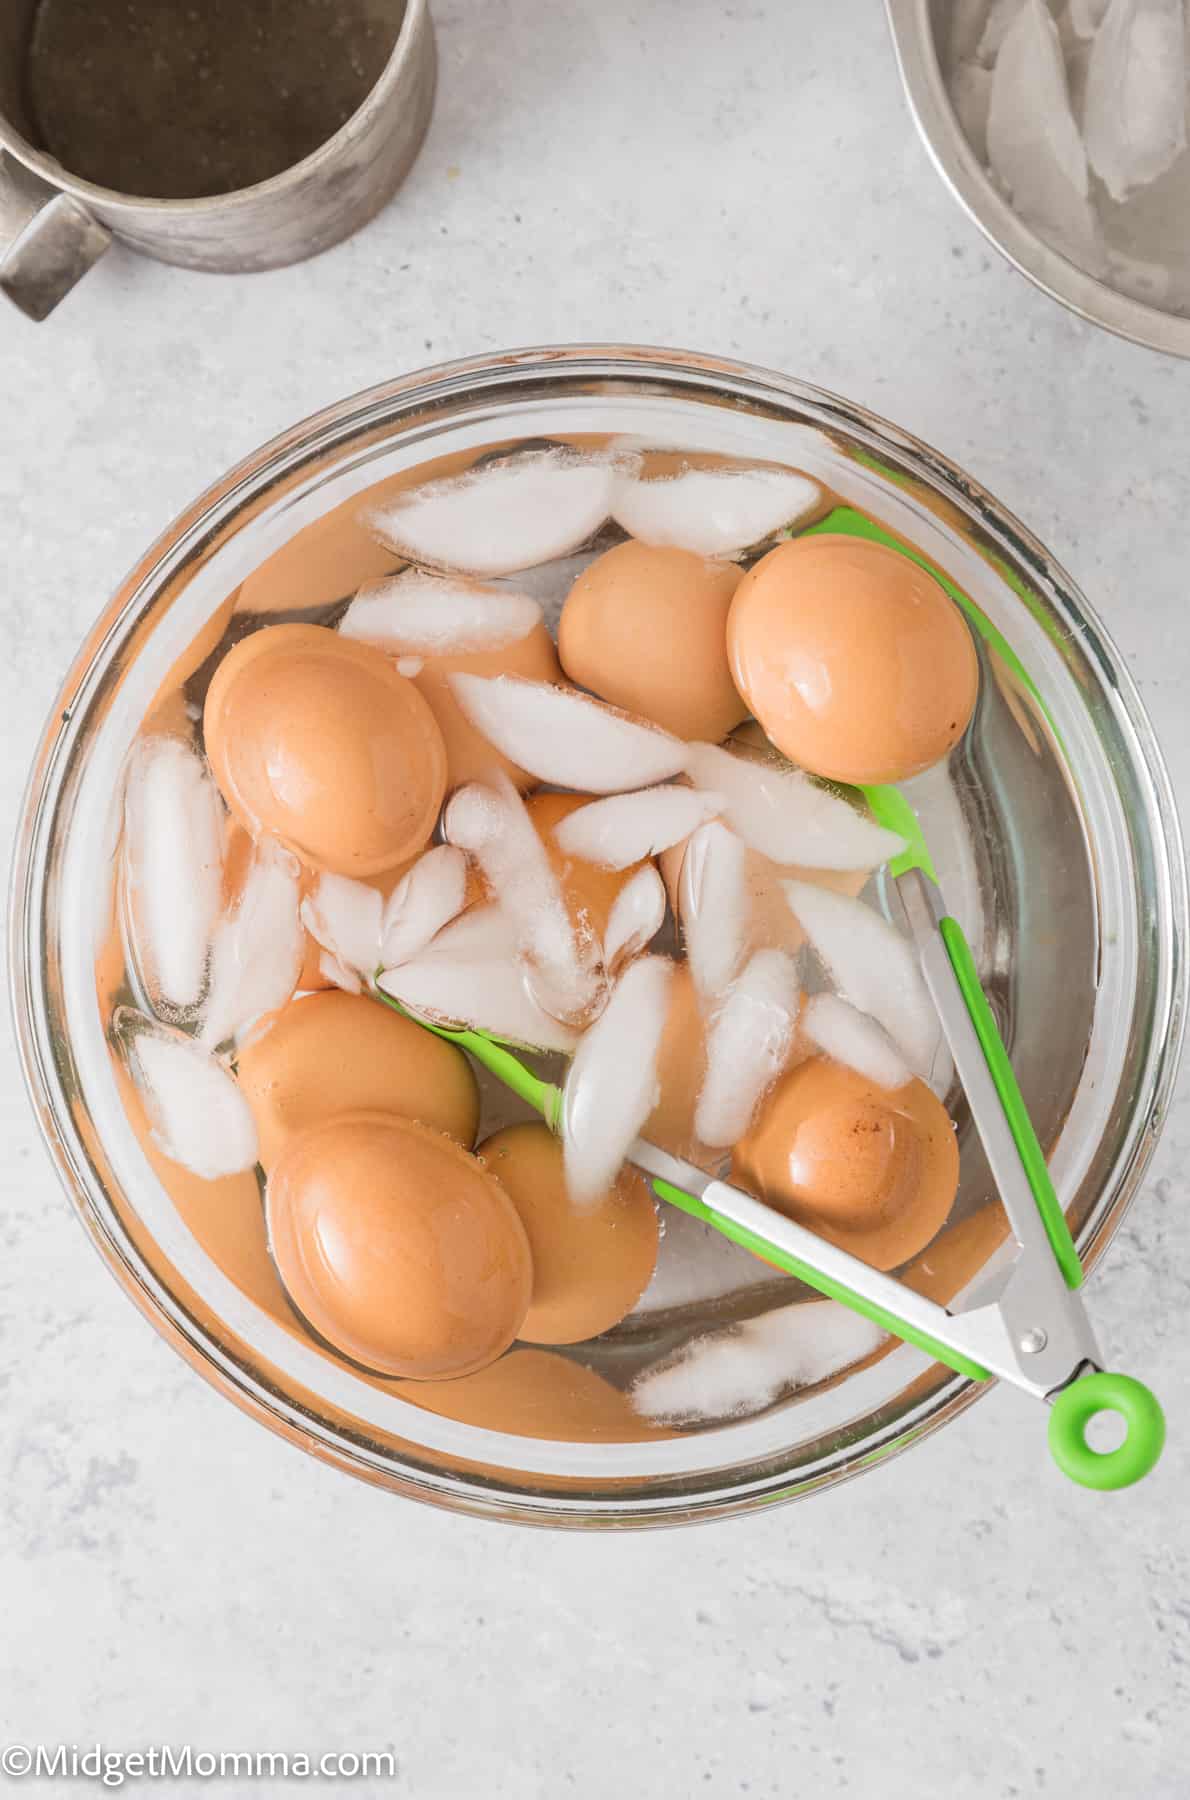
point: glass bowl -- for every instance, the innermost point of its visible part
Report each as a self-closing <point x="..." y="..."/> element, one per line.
<point x="1053" y="826"/>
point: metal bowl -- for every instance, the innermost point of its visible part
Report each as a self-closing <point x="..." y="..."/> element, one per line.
<point x="915" y="28"/>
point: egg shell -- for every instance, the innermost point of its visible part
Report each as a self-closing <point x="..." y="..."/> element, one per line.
<point x="957" y="1255"/>
<point x="398" y="1247"/>
<point x="331" y="1053"/>
<point x="591" y="1264"/>
<point x="874" y="1172"/>
<point x="538" y="1394"/>
<point x="681" y="1067"/>
<point x="589" y="891"/>
<point x="858" y="665"/>
<point x="319" y="742"/>
<point x="469" y="756"/>
<point x="646" y="629"/>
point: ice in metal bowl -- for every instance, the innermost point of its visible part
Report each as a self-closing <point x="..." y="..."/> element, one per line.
<point x="1065" y="143"/>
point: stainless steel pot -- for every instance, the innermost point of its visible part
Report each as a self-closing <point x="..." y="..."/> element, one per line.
<point x="916" y="26"/>
<point x="54" y="226"/>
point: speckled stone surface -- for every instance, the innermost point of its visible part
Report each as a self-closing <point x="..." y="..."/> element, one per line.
<point x="744" y="179"/>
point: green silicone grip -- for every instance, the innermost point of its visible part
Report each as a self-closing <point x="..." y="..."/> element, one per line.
<point x="825" y="1284"/>
<point x="890" y="808"/>
<point x="1025" y="1138"/>
<point x="1074" y="1408"/>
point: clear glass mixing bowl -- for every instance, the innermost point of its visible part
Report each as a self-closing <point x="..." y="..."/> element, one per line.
<point x="1055" y="833"/>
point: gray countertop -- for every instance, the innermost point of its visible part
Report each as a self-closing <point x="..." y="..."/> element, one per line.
<point x="742" y="179"/>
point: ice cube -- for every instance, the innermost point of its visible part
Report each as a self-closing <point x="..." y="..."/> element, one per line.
<point x="1134" y="118"/>
<point x="256" y="955"/>
<point x="637" y="915"/>
<point x="1034" y="146"/>
<point x="344" y="916"/>
<point x="713" y="907"/>
<point x="696" y="1263"/>
<point x="715" y="512"/>
<point x="612" y="1085"/>
<point x="786" y="816"/>
<point x="419" y="614"/>
<point x="197" y="1114"/>
<point x="423" y="901"/>
<point x="491" y="823"/>
<point x="971" y="94"/>
<point x="872" y="965"/>
<point x="469" y="977"/>
<point x="966" y="22"/>
<point x="749" y="1042"/>
<point x="481" y="934"/>
<point x="1002" y="16"/>
<point x="731" y="1373"/>
<point x="172" y="873"/>
<point x="1082" y="18"/>
<point x="567" y="738"/>
<point x="505" y="515"/>
<point x="851" y="1037"/>
<point x="338" y="974"/>
<point x="625" y="828"/>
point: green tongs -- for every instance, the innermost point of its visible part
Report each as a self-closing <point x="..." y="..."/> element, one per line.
<point x="1035" y="1333"/>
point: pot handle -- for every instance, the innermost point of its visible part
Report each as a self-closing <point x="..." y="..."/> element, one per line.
<point x="48" y="240"/>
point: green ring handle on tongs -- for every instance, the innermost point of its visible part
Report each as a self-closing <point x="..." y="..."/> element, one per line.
<point x="1072" y="1410"/>
<point x="1074" y="1406"/>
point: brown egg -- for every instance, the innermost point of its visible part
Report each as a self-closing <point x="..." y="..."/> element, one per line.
<point x="319" y="742"/>
<point x="856" y="662"/>
<point x="590" y="892"/>
<point x="398" y="1247"/>
<point x="681" y="1065"/>
<point x="323" y="563"/>
<point x="469" y="756"/>
<point x="646" y="629"/>
<point x="874" y="1172"/>
<point x="238" y="846"/>
<point x="331" y="1053"/>
<point x="957" y="1254"/>
<point x="539" y="1394"/>
<point x="591" y="1264"/>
